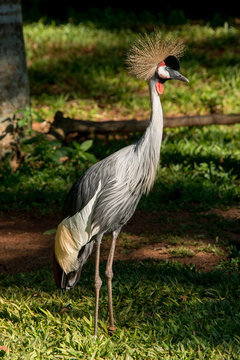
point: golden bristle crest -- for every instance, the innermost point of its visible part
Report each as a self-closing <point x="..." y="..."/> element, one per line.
<point x="149" y="50"/>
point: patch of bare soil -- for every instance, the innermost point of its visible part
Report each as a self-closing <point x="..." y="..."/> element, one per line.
<point x="25" y="247"/>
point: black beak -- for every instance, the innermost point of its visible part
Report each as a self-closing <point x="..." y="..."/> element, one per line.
<point x="174" y="74"/>
<point x="63" y="281"/>
<point x="59" y="275"/>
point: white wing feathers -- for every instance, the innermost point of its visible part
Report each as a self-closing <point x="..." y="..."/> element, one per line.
<point x="73" y="233"/>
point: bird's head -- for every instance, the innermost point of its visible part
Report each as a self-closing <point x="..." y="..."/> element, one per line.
<point x="64" y="281"/>
<point x="168" y="69"/>
<point x="65" y="259"/>
<point x="156" y="56"/>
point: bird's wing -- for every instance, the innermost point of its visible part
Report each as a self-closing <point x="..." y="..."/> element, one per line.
<point x="92" y="206"/>
<point x="76" y="229"/>
<point x="84" y="189"/>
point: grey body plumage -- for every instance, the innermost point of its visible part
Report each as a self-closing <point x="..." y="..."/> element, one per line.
<point x="124" y="175"/>
<point x="105" y="197"/>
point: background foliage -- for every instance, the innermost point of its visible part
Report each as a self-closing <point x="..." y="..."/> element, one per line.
<point x="79" y="68"/>
<point x="163" y="310"/>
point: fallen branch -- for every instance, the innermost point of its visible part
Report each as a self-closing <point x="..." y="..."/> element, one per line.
<point x="62" y="126"/>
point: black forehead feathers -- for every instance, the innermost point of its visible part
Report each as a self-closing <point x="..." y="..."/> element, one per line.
<point x="172" y="62"/>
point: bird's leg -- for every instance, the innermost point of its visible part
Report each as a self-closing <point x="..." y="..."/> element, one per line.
<point x="98" y="283"/>
<point x="109" y="276"/>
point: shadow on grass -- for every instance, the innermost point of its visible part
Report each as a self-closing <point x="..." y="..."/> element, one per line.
<point x="183" y="193"/>
<point x="229" y="164"/>
<point x="86" y="73"/>
<point x="187" y="178"/>
<point x="175" y="303"/>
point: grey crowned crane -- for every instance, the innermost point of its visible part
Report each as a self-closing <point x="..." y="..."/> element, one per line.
<point x="105" y="197"/>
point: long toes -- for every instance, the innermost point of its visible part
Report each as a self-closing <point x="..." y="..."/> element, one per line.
<point x="111" y="330"/>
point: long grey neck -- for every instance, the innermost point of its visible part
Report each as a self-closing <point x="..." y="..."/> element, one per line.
<point x="149" y="145"/>
<point x="155" y="126"/>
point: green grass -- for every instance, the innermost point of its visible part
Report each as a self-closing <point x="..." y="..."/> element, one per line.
<point x="78" y="67"/>
<point x="199" y="167"/>
<point x="181" y="251"/>
<point x="162" y="311"/>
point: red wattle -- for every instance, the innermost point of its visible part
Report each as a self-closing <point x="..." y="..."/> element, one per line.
<point x="159" y="88"/>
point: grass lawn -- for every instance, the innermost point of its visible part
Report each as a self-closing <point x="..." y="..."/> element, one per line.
<point x="163" y="309"/>
<point x="80" y="69"/>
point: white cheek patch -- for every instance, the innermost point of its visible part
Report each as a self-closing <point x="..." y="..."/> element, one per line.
<point x="162" y="72"/>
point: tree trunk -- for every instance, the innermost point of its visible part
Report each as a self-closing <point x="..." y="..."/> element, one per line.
<point x="14" y="86"/>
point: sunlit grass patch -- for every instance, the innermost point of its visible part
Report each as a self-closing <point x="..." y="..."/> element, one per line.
<point x="84" y="61"/>
<point x="162" y="310"/>
<point x="181" y="251"/>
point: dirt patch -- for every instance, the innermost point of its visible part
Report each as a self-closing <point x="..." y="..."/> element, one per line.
<point x="164" y="236"/>
<point x="162" y="251"/>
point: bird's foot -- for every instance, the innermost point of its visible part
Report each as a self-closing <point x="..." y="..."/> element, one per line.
<point x="111" y="330"/>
